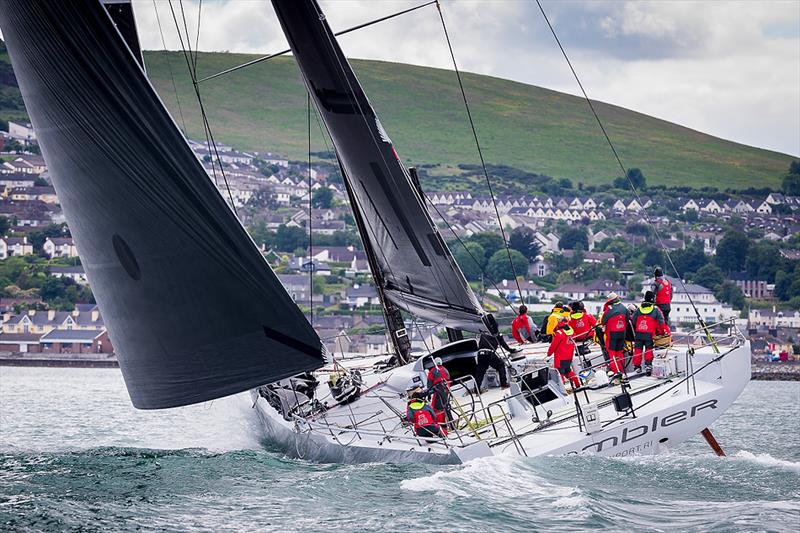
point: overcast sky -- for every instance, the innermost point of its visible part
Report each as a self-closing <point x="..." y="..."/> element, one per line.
<point x="728" y="68"/>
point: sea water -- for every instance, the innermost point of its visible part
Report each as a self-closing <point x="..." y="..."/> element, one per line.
<point x="75" y="456"/>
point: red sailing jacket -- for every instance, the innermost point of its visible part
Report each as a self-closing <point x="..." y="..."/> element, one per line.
<point x="582" y="323"/>
<point x="521" y="322"/>
<point x="562" y="347"/>
<point x="648" y="321"/>
<point x="616" y="318"/>
<point x="421" y="415"/>
<point x="437" y="374"/>
<point x="663" y="291"/>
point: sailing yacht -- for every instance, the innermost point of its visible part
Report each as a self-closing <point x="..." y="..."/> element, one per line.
<point x="196" y="313"/>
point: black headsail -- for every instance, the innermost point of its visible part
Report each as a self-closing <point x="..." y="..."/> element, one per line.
<point x="191" y="306"/>
<point x="415" y="269"/>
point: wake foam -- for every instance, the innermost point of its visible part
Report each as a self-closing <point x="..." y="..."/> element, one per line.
<point x="766" y="459"/>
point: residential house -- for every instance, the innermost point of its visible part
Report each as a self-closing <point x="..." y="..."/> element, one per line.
<point x="45" y="194"/>
<point x="361" y="295"/>
<point x="600" y="289"/>
<point x="508" y="290"/>
<point x="16" y="179"/>
<point x="11" y="246"/>
<point x="75" y="273"/>
<point x="22" y="132"/>
<point x="752" y="288"/>
<point x="70" y="341"/>
<point x="60" y="247"/>
<point x="772" y="318"/>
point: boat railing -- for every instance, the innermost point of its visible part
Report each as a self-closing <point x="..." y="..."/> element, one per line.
<point x="467" y="427"/>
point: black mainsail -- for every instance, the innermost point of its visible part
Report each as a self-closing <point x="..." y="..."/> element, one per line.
<point x="191" y="306"/>
<point x="415" y="269"/>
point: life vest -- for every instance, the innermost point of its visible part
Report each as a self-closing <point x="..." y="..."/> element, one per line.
<point x="663" y="291"/>
<point x="552" y="321"/>
<point x="615" y="319"/>
<point x="647" y="321"/>
<point x="562" y="347"/>
<point x="582" y="323"/>
<point x="421" y="415"/>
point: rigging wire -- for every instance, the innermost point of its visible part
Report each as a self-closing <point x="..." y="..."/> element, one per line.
<point x="310" y="217"/>
<point x="283" y="52"/>
<point x="621" y="166"/>
<point x="478" y="146"/>
<point x="210" y="142"/>
<point x="169" y="67"/>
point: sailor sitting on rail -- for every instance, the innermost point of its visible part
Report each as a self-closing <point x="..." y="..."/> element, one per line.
<point x="422" y="417"/>
<point x="522" y="328"/>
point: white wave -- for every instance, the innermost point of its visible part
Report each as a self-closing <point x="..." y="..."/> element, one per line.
<point x="767" y="460"/>
<point x="508" y="477"/>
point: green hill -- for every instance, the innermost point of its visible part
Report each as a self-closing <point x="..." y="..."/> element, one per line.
<point x="547" y="132"/>
<point x="538" y="130"/>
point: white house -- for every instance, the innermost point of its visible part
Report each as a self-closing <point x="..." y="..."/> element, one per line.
<point x="22" y="132"/>
<point x="75" y="273"/>
<point x="10" y="246"/>
<point x="60" y="247"/>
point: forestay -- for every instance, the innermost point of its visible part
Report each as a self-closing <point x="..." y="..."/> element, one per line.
<point x="415" y="268"/>
<point x="191" y="306"/>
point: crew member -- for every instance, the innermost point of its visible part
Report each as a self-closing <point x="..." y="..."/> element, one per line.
<point x="648" y="321"/>
<point x="488" y="343"/>
<point x="551" y="321"/>
<point x="614" y="322"/>
<point x="562" y="348"/>
<point x="581" y="322"/>
<point x="662" y="288"/>
<point x="421" y="415"/>
<point x="439" y="388"/>
<point x="522" y="327"/>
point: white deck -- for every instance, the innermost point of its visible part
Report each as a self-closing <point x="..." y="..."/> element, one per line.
<point x="668" y="411"/>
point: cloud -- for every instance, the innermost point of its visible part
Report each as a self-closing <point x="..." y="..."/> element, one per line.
<point x="729" y="68"/>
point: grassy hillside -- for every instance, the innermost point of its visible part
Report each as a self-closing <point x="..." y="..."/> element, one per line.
<point x="264" y="108"/>
<point x="527" y="127"/>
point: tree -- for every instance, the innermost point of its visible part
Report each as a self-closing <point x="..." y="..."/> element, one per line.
<point x="791" y="184"/>
<point x="491" y="242"/>
<point x="5" y="224"/>
<point x="322" y="198"/>
<point x="730" y="293"/>
<point x="499" y="268"/>
<point x="574" y="239"/>
<point x="471" y="258"/>
<point x="732" y="251"/>
<point x="691" y="259"/>
<point x="524" y="240"/>
<point x="634" y="177"/>
<point x="290" y="238"/>
<point x="37" y="238"/>
<point x="637" y="178"/>
<point x="652" y="257"/>
<point x="709" y="275"/>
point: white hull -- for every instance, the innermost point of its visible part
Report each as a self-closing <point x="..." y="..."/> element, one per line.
<point x="667" y="412"/>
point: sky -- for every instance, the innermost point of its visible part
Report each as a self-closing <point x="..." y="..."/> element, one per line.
<point x="727" y="68"/>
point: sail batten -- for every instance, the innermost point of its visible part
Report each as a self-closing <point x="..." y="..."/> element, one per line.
<point x="416" y="271"/>
<point x="191" y="306"/>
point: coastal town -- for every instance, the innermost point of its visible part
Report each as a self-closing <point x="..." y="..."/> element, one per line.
<point x="737" y="251"/>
